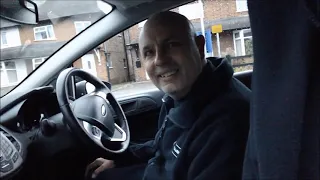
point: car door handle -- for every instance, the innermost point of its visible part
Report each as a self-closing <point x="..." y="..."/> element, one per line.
<point x="138" y="105"/>
<point x="129" y="106"/>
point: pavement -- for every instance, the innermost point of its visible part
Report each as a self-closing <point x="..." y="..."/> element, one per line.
<point x="131" y="88"/>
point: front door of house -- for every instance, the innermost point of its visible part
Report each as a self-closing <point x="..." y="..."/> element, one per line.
<point x="88" y="64"/>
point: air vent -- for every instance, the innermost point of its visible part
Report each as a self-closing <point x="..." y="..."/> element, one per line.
<point x="4" y="132"/>
<point x="14" y="142"/>
<point x="11" y="139"/>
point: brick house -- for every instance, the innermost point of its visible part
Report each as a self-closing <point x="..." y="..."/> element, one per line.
<point x="235" y="40"/>
<point x="24" y="47"/>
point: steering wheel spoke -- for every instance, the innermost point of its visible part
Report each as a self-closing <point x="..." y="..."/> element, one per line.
<point x="109" y="130"/>
<point x="119" y="134"/>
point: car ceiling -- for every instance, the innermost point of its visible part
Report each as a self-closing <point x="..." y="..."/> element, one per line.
<point x="54" y="8"/>
<point x="125" y="4"/>
<point x="128" y="7"/>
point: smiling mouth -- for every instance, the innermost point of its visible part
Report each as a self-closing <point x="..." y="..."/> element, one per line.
<point x="168" y="74"/>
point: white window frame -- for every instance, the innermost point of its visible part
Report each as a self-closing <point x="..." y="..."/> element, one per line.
<point x="109" y="60"/>
<point x="192" y="10"/>
<point x="46" y="30"/>
<point x="109" y="63"/>
<point x="125" y="63"/>
<point x="81" y="23"/>
<point x="5" y="34"/>
<point x="4" y="69"/>
<point x="241" y="38"/>
<point x="241" y="5"/>
<point x="34" y="63"/>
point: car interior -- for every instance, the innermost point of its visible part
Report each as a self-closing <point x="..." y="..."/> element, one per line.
<point x="49" y="127"/>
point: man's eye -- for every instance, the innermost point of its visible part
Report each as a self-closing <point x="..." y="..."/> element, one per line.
<point x="174" y="44"/>
<point x="147" y="53"/>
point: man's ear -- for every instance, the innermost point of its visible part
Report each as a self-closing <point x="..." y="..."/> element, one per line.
<point x="200" y="41"/>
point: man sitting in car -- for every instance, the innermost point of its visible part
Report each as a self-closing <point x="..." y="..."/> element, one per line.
<point x="204" y="120"/>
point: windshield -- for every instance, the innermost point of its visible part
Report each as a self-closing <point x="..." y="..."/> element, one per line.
<point x="25" y="47"/>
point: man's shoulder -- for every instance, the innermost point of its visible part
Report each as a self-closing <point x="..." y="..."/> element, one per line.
<point x="232" y="104"/>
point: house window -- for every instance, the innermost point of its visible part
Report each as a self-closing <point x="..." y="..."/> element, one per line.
<point x="4" y="40"/>
<point x="9" y="37"/>
<point x="242" y="5"/>
<point x="43" y="33"/>
<point x="243" y="42"/>
<point x="109" y="61"/>
<point x="81" y="25"/>
<point x="8" y="72"/>
<point x="192" y="10"/>
<point x="37" y="61"/>
<point x="124" y="63"/>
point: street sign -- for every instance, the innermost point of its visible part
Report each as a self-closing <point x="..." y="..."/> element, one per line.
<point x="216" y="28"/>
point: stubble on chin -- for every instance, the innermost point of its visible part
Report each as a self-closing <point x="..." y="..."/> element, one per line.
<point x="168" y="88"/>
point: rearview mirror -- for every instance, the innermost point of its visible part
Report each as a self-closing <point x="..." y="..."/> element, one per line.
<point x="20" y="11"/>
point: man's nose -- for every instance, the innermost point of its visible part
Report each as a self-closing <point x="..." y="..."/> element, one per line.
<point x="161" y="58"/>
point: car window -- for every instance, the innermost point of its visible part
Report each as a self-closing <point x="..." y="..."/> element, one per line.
<point x="225" y="25"/>
<point x="26" y="47"/>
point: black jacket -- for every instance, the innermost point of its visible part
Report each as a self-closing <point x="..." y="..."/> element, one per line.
<point x="204" y="135"/>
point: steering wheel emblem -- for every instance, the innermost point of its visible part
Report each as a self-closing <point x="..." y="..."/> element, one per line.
<point x="103" y="110"/>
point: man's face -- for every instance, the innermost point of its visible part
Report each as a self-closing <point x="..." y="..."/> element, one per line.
<point x="171" y="58"/>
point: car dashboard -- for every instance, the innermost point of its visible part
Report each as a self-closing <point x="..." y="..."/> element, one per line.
<point x="10" y="154"/>
<point x="40" y="153"/>
<point x="20" y="124"/>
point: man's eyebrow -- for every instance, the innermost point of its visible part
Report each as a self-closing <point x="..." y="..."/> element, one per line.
<point x="169" y="39"/>
<point x="166" y="40"/>
<point x="145" y="48"/>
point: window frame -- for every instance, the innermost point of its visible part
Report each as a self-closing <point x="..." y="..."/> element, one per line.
<point x="34" y="63"/>
<point x="4" y="69"/>
<point x="109" y="61"/>
<point x="239" y="5"/>
<point x="47" y="33"/>
<point x="6" y="38"/>
<point x="82" y="23"/>
<point x="242" y="39"/>
<point x="125" y="63"/>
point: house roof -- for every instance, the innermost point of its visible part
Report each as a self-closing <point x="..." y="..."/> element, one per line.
<point x="227" y="23"/>
<point x="41" y="49"/>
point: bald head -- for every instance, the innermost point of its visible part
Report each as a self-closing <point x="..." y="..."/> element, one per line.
<point x="171" y="53"/>
<point x="170" y="19"/>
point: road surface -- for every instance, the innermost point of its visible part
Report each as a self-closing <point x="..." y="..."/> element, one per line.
<point x="131" y="88"/>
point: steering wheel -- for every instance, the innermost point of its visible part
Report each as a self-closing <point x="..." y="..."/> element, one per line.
<point x="90" y="116"/>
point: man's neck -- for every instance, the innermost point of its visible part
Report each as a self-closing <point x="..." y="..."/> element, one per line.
<point x="182" y="95"/>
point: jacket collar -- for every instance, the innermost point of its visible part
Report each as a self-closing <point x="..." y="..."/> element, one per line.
<point x="212" y="81"/>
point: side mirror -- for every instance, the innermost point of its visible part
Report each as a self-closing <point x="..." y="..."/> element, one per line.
<point x="20" y="11"/>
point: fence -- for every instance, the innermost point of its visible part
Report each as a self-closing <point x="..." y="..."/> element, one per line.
<point x="241" y="63"/>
